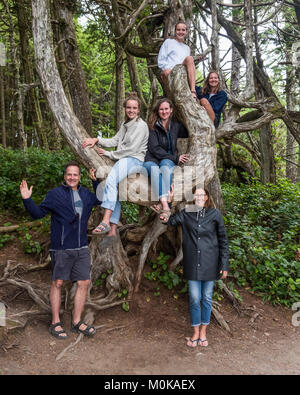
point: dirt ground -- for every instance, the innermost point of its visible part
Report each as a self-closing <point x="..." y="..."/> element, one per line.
<point x="150" y="339"/>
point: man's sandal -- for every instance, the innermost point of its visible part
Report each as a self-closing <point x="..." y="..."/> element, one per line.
<point x="87" y="331"/>
<point x="58" y="334"/>
<point x="194" y="342"/>
<point x="101" y="229"/>
<point x="165" y="215"/>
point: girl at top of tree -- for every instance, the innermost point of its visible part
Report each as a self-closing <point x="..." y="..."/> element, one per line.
<point x="174" y="51"/>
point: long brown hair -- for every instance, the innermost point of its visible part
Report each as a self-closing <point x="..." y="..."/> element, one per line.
<point x="132" y="96"/>
<point x="209" y="202"/>
<point x="154" y="115"/>
<point x="206" y="87"/>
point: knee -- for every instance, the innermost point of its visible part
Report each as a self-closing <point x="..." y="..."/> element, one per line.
<point x="195" y="298"/>
<point x="166" y="163"/>
<point x="83" y="284"/>
<point x="204" y="102"/>
<point x="57" y="284"/>
<point x="165" y="73"/>
<point x="207" y="298"/>
<point x="189" y="60"/>
<point x="111" y="181"/>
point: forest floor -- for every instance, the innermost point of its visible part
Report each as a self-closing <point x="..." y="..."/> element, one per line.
<point x="150" y="339"/>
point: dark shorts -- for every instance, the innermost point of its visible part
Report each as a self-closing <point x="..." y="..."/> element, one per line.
<point x="74" y="265"/>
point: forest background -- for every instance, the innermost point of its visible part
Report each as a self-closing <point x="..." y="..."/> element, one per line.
<point x="105" y="49"/>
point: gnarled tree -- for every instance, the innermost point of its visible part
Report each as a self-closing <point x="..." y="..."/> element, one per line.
<point x="138" y="34"/>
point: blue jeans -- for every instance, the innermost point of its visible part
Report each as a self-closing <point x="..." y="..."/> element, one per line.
<point x="200" y="292"/>
<point x="121" y="169"/>
<point x="161" y="177"/>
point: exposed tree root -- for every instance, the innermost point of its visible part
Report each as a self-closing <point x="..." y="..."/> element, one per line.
<point x="13" y="228"/>
<point x="154" y="232"/>
<point x="80" y="337"/>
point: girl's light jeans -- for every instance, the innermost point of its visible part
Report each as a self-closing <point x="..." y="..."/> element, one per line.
<point x="121" y="169"/>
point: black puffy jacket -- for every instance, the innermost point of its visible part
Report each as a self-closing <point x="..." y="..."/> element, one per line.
<point x="204" y="244"/>
<point x="158" y="142"/>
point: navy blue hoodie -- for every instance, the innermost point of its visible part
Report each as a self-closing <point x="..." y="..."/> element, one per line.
<point x="68" y="231"/>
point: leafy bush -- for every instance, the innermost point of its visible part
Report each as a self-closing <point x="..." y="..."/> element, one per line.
<point x="263" y="224"/>
<point x="161" y="273"/>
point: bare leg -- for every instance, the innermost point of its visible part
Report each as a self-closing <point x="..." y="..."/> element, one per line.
<point x="79" y="302"/>
<point x="206" y="104"/>
<point x="55" y="300"/>
<point x="106" y="216"/>
<point x="164" y="203"/>
<point x="164" y="77"/>
<point x="202" y="336"/>
<point x="191" y="71"/>
<point x="106" y="220"/>
<point x="113" y="230"/>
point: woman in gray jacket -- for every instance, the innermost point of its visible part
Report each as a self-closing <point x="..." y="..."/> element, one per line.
<point x="205" y="258"/>
<point x="131" y="142"/>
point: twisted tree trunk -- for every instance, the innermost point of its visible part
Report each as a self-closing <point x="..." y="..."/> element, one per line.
<point x="109" y="259"/>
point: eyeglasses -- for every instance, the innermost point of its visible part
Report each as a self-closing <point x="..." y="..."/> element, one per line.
<point x="202" y="195"/>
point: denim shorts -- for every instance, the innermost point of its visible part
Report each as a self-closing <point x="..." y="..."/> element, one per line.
<point x="74" y="265"/>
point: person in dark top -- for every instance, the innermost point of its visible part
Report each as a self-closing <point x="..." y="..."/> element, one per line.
<point x="212" y="97"/>
<point x="205" y="258"/>
<point x="161" y="156"/>
<point x="70" y="206"/>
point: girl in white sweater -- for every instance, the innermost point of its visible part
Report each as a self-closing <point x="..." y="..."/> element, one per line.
<point x="131" y="142"/>
<point x="172" y="52"/>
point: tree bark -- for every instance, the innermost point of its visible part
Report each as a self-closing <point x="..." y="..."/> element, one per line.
<point x="64" y="116"/>
<point x="291" y="169"/>
<point x="120" y="87"/>
<point x="17" y="84"/>
<point x="267" y="170"/>
<point x="33" y="103"/>
<point x="75" y="75"/>
<point x="2" y="101"/>
<point x="202" y="149"/>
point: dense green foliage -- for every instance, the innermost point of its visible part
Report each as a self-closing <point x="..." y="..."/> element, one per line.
<point x="263" y="224"/>
<point x="41" y="168"/>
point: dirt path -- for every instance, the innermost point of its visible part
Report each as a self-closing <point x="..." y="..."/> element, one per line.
<point x="151" y="339"/>
<point x="152" y="342"/>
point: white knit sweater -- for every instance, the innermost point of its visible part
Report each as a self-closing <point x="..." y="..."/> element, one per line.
<point x="131" y="140"/>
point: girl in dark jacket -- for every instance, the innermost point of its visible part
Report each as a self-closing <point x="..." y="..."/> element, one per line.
<point x="205" y="258"/>
<point x="161" y="156"/>
<point x="212" y="97"/>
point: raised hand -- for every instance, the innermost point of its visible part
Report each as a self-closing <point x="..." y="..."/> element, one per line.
<point x="24" y="190"/>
